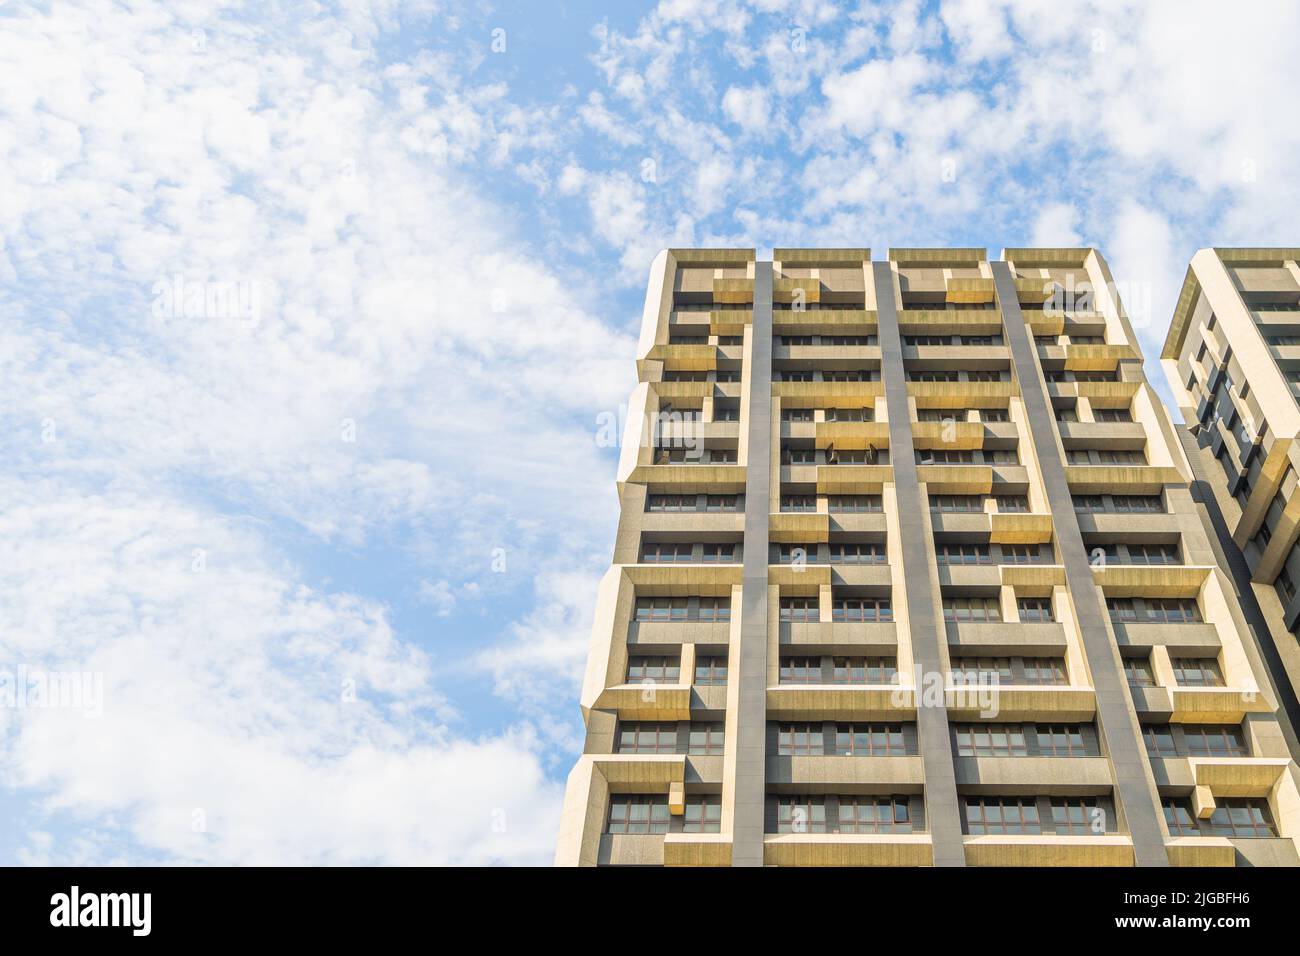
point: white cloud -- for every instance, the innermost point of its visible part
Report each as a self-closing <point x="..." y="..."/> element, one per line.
<point x="247" y="718"/>
<point x="748" y="108"/>
<point x="1057" y="225"/>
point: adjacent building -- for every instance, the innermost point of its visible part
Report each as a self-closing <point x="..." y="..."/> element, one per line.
<point x="912" y="569"/>
<point x="1232" y="358"/>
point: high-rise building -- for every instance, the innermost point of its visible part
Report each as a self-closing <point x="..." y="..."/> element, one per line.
<point x="910" y="571"/>
<point x="1232" y="358"/>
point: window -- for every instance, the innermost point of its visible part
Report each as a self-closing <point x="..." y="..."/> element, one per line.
<point x="652" y="670"/>
<point x="1080" y="815"/>
<point x="991" y="740"/>
<point x="1138" y="671"/>
<point x="703" y="814"/>
<point x="1179" y="819"/>
<point x="862" y="609"/>
<point x="1061" y="740"/>
<point x="1066" y="413"/>
<point x="1155" y="610"/>
<point x="1001" y="815"/>
<point x="962" y="554"/>
<point x="647" y="738"/>
<point x="799" y="609"/>
<point x="796" y="414"/>
<point x="1044" y="670"/>
<point x="863" y="670"/>
<point x="1238" y="817"/>
<point x="1089" y="503"/>
<point x="869" y="740"/>
<point x="670" y="502"/>
<point x="637" y="813"/>
<point x="1112" y="415"/>
<point x="800" y="814"/>
<point x="711" y="670"/>
<point x="1197" y="672"/>
<point x="855" y="503"/>
<point x="792" y="553"/>
<point x="1024" y="554"/>
<point x="933" y="375"/>
<point x="722" y="503"/>
<point x="715" y="609"/>
<point x="1159" y="740"/>
<point x="982" y="375"/>
<point x="994" y="415"/>
<point x="800" y="740"/>
<point x="801" y="670"/>
<point x="706" y="739"/>
<point x="940" y="456"/>
<point x="1214" y="740"/>
<point x="971" y="609"/>
<point x="874" y="815"/>
<point x="1153" y="553"/>
<point x="1138" y="503"/>
<point x="658" y="553"/>
<point x="661" y="609"/>
<point x="857" y="552"/>
<point x="981" y="670"/>
<point x="957" y="503"/>
<point x="719" y="554"/>
<point x="1285" y="585"/>
<point x="848" y="375"/>
<point x="725" y="412"/>
<point x="798" y="456"/>
<point x="850" y="414"/>
<point x="1035" y="609"/>
<point x="859" y="456"/>
<point x="1122" y="609"/>
<point x="807" y="503"/>
<point x="1012" y="503"/>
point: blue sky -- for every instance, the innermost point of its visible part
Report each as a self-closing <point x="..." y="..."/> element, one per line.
<point x="331" y="536"/>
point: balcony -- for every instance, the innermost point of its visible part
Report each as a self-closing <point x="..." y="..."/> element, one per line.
<point x="1120" y="479"/>
<point x="847" y="849"/>
<point x="1062" y="703"/>
<point x="829" y="393"/>
<point x="1110" y="435"/>
<point x="694" y="521"/>
<point x="631" y="849"/>
<point x="1111" y="849"/>
<point x="823" y="354"/>
<point x="649" y="701"/>
<point x="1013" y="776"/>
<point x="1097" y="357"/>
<point x="697" y="849"/>
<point x="959" y="356"/>
<point x="677" y="633"/>
<point x="847" y="321"/>
<point x="845" y="774"/>
<point x="1001" y="639"/>
<point x="846" y="702"/>
<point x="1181" y="639"/>
<point x="879" y="639"/>
<point x="692" y="479"/>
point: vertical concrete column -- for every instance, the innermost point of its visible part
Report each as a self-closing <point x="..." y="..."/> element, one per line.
<point x="1135" y="790"/>
<point x="942" y="811"/>
<point x="750" y="666"/>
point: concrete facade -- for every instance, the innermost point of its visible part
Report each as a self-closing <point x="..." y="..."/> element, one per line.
<point x="913" y="569"/>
